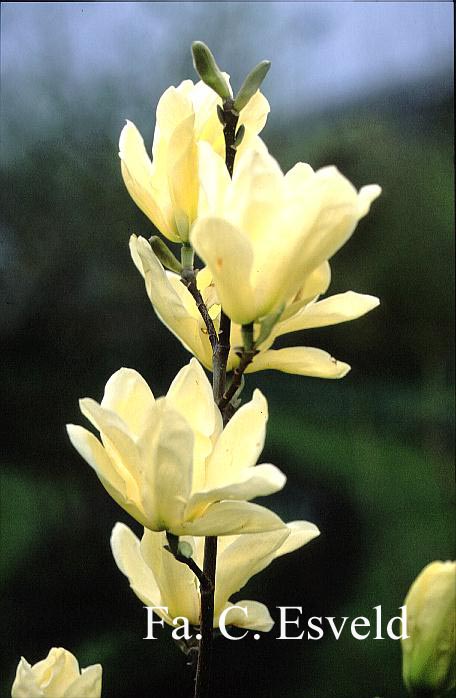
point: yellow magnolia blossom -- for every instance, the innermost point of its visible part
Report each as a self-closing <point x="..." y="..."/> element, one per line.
<point x="158" y="579"/>
<point x="57" y="676"/>
<point x="169" y="462"/>
<point x="268" y="232"/>
<point x="429" y="653"/>
<point x="167" y="188"/>
<point x="176" y="308"/>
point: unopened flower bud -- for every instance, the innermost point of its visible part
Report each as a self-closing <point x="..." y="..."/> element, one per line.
<point x="429" y="656"/>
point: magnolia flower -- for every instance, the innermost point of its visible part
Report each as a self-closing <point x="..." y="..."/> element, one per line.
<point x="158" y="579"/>
<point x="169" y="462"/>
<point x="270" y="231"/>
<point x="429" y="659"/>
<point x="167" y="188"/>
<point x="176" y="308"/>
<point x="57" y="676"/>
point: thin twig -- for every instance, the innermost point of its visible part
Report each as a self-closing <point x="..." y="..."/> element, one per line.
<point x="189" y="281"/>
<point x="220" y="353"/>
<point x="245" y="360"/>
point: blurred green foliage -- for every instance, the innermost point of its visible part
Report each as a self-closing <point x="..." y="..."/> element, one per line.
<point x="368" y="458"/>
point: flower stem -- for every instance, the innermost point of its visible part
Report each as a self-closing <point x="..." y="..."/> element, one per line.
<point x="220" y="353"/>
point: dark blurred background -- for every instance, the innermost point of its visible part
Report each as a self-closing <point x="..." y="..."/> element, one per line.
<point x="364" y="86"/>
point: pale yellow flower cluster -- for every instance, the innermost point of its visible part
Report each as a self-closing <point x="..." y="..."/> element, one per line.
<point x="159" y="580"/>
<point x="266" y="237"/>
<point x="57" y="676"/>
<point x="169" y="462"/>
<point x="167" y="189"/>
<point x="171" y="465"/>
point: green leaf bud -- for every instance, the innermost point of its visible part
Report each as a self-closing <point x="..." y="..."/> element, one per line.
<point x="208" y="70"/>
<point x="251" y="84"/>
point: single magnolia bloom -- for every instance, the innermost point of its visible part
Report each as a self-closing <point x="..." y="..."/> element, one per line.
<point x="176" y="308"/>
<point x="158" y="579"/>
<point x="167" y="188"/>
<point x="57" y="676"/>
<point x="429" y="657"/>
<point x="170" y="463"/>
<point x="269" y="231"/>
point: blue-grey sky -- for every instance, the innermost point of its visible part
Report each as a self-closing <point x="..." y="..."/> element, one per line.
<point x="321" y="52"/>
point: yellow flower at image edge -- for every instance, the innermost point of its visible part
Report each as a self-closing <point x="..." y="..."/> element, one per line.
<point x="57" y="676"/>
<point x="176" y="308"/>
<point x="167" y="189"/>
<point x="269" y="231"/>
<point x="429" y="653"/>
<point x="169" y="462"/>
<point x="158" y="579"/>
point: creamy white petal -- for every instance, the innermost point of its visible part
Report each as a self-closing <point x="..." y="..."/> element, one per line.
<point x="87" y="685"/>
<point x="190" y="394"/>
<point x="303" y="361"/>
<point x="118" y="483"/>
<point x="128" y="395"/>
<point x="250" y="483"/>
<point x="244" y="557"/>
<point x="366" y="196"/>
<point x="240" y="444"/>
<point x="214" y="180"/>
<point x="137" y="172"/>
<point x="330" y="311"/>
<point x="255" y="616"/>
<point x="126" y="550"/>
<point x="172" y="303"/>
<point x="179" y="590"/>
<point x="169" y="475"/>
<point x="229" y="518"/>
<point x="301" y="533"/>
<point x="119" y="445"/>
<point x="316" y="283"/>
<point x="24" y="685"/>
<point x="228" y="254"/>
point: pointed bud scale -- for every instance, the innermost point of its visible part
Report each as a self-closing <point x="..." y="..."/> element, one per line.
<point x="239" y="136"/>
<point x="165" y="255"/>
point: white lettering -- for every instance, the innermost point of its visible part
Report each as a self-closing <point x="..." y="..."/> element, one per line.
<point x="284" y="621"/>
<point x="378" y="623"/>
<point x="222" y="622"/>
<point x="403" y="623"/>
<point x="182" y="632"/>
<point x="337" y="633"/>
<point x="364" y="623"/>
<point x="311" y="625"/>
<point x="151" y="622"/>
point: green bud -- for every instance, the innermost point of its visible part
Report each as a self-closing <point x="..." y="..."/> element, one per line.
<point x="251" y="84"/>
<point x="185" y="549"/>
<point x="429" y="658"/>
<point x="208" y="70"/>
<point x="164" y="254"/>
